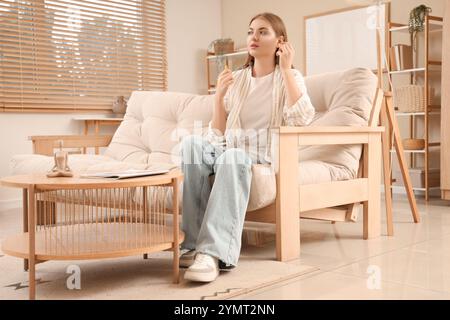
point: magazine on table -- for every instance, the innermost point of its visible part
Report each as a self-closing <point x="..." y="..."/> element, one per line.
<point x="130" y="173"/>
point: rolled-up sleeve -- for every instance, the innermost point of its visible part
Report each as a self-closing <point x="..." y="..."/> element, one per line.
<point x="302" y="112"/>
<point x="215" y="137"/>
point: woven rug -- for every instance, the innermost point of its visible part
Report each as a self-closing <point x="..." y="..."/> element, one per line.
<point x="136" y="278"/>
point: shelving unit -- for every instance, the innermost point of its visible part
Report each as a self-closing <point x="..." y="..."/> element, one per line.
<point x="432" y="25"/>
<point x="234" y="60"/>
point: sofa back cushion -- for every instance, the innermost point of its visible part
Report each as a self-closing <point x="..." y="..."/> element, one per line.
<point x="342" y="98"/>
<point x="155" y="122"/>
<point x="348" y="93"/>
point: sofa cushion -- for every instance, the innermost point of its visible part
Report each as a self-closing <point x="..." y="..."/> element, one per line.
<point x="156" y="122"/>
<point x="263" y="186"/>
<point x="341" y="98"/>
<point x="36" y="163"/>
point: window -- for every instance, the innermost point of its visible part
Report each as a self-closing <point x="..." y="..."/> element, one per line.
<point x="77" y="55"/>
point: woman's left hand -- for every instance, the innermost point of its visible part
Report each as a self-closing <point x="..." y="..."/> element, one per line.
<point x="286" y="53"/>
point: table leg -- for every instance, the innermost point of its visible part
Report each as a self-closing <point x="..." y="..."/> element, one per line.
<point x="25" y="220"/>
<point x="176" y="247"/>
<point x="31" y="243"/>
<point x="97" y="131"/>
<point x="144" y="203"/>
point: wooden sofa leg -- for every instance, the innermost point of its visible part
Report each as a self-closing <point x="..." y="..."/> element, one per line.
<point x="287" y="202"/>
<point x="288" y="241"/>
<point x="372" y="170"/>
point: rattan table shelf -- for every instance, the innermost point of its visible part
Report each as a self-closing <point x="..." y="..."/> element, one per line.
<point x="80" y="219"/>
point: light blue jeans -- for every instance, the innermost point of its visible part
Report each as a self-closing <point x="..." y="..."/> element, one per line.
<point x="213" y="216"/>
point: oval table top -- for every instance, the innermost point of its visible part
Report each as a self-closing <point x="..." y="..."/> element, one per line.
<point x="42" y="182"/>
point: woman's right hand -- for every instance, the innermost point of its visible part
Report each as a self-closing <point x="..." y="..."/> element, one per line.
<point x="224" y="80"/>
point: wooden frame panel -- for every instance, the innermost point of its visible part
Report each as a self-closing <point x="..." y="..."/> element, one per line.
<point x="313" y="196"/>
<point x="45" y="144"/>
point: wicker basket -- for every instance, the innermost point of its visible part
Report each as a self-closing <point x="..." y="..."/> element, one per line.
<point x="411" y="98"/>
<point x="223" y="46"/>
<point x="413" y="144"/>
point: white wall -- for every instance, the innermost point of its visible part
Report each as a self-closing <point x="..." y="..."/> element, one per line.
<point x="191" y="26"/>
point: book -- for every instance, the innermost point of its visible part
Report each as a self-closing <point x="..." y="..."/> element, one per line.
<point x="131" y="173"/>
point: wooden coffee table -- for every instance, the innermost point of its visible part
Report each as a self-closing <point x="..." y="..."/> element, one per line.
<point x="78" y="219"/>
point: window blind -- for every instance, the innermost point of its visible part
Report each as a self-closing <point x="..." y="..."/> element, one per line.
<point x="67" y="55"/>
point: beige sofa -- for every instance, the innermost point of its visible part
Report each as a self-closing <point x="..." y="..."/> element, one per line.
<point x="155" y="123"/>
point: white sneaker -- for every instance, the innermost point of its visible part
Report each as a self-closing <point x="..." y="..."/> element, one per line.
<point x="187" y="258"/>
<point x="204" y="269"/>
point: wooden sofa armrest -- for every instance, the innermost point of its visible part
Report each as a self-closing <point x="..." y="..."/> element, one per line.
<point x="45" y="144"/>
<point x="330" y="129"/>
<point x="331" y="135"/>
<point x="291" y="137"/>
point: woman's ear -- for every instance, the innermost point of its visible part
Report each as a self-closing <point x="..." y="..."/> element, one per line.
<point x="279" y="42"/>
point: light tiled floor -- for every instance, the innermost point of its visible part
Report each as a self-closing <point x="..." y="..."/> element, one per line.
<point x="413" y="264"/>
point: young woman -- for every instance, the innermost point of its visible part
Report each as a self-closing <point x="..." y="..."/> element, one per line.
<point x="266" y="93"/>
